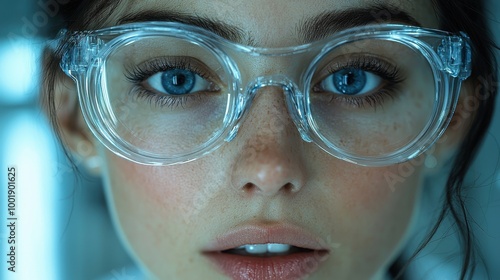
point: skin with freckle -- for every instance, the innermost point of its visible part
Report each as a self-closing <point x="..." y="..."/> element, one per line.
<point x="166" y="215"/>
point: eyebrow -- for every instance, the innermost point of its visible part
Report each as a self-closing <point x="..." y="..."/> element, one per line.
<point x="330" y="22"/>
<point x="220" y="28"/>
<point x="309" y="30"/>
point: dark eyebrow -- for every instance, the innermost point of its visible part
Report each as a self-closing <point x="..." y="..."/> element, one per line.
<point x="220" y="28"/>
<point x="311" y="29"/>
<point x="330" y="22"/>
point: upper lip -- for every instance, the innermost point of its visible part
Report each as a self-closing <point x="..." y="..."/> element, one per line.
<point x="266" y="233"/>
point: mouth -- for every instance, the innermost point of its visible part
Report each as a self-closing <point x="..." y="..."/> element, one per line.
<point x="267" y="252"/>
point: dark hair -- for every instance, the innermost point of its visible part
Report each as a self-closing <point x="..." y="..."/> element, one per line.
<point x="468" y="16"/>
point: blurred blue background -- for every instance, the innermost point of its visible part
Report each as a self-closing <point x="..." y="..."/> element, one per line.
<point x="63" y="227"/>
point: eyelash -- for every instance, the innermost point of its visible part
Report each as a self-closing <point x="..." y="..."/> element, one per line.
<point x="390" y="74"/>
<point x="140" y="73"/>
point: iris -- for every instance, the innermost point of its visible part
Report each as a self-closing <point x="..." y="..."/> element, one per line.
<point x="349" y="81"/>
<point x="178" y="81"/>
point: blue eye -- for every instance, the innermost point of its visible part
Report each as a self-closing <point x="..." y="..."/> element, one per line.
<point x="351" y="81"/>
<point x="177" y="81"/>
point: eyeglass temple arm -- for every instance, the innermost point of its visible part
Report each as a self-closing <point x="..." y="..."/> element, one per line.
<point x="82" y="49"/>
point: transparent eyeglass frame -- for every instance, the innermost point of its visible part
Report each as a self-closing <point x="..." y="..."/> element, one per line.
<point x="85" y="52"/>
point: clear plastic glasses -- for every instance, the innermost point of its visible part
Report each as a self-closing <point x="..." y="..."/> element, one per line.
<point x="163" y="93"/>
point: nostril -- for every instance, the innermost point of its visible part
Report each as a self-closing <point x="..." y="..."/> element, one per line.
<point x="289" y="188"/>
<point x="249" y="187"/>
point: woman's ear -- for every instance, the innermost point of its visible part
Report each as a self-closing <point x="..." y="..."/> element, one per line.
<point x="73" y="130"/>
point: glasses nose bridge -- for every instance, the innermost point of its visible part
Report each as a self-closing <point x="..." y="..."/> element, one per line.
<point x="292" y="94"/>
<point x="281" y="81"/>
<point x="280" y="71"/>
<point x="273" y="69"/>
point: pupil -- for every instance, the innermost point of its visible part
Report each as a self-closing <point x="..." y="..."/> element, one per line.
<point x="349" y="78"/>
<point x="178" y="81"/>
<point x="349" y="81"/>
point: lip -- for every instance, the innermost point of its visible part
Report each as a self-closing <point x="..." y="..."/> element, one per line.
<point x="291" y="266"/>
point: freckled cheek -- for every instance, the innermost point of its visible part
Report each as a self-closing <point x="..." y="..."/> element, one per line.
<point x="379" y="188"/>
<point x="153" y="198"/>
<point x="377" y="215"/>
<point x="366" y="188"/>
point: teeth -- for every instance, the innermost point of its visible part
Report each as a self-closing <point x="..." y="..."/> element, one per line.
<point x="265" y="248"/>
<point x="256" y="248"/>
<point x="278" y="248"/>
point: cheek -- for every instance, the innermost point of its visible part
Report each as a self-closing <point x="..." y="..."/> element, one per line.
<point x="373" y="209"/>
<point x="140" y="188"/>
<point x="383" y="212"/>
<point x="378" y="189"/>
<point x="155" y="207"/>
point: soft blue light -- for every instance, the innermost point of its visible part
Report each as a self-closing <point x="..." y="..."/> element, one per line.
<point x="29" y="147"/>
<point x="19" y="71"/>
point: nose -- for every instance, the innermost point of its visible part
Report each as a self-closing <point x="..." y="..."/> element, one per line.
<point x="269" y="158"/>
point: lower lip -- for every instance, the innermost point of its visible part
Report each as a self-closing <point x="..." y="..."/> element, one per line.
<point x="293" y="266"/>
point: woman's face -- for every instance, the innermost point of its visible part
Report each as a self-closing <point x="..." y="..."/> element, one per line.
<point x="267" y="185"/>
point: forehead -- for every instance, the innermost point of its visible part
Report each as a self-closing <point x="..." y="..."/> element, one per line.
<point x="278" y="22"/>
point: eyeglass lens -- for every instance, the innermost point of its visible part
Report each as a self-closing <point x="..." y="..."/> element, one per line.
<point x="166" y="95"/>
